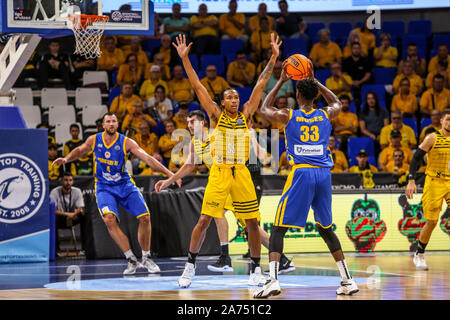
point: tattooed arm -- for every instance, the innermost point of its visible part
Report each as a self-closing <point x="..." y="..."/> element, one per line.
<point x="252" y="104"/>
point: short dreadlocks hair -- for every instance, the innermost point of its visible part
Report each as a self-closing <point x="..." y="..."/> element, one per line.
<point x="308" y="89"/>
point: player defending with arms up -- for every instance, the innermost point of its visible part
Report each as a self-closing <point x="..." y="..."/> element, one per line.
<point x="309" y="183"/>
<point x="437" y="182"/>
<point x="114" y="185"/>
<point x="230" y="147"/>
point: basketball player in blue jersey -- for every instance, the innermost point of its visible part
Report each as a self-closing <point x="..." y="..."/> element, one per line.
<point x="114" y="185"/>
<point x="307" y="133"/>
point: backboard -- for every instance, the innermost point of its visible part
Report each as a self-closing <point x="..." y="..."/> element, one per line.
<point x="49" y="17"/>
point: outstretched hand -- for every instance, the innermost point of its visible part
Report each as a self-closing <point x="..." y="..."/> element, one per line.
<point x="284" y="76"/>
<point x="59" y="161"/>
<point x="275" y="43"/>
<point x="182" y="48"/>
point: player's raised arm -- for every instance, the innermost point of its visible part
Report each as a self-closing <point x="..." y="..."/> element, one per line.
<point x="267" y="110"/>
<point x="252" y="104"/>
<point x="210" y="106"/>
<point x="78" y="152"/>
<point x="423" y="148"/>
<point x="185" y="169"/>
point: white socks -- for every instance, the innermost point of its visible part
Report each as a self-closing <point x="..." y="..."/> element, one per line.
<point x="130" y="255"/>
<point x="343" y="270"/>
<point x="145" y="254"/>
<point x="274" y="266"/>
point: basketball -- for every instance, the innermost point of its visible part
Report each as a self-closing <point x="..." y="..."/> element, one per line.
<point x="298" y="66"/>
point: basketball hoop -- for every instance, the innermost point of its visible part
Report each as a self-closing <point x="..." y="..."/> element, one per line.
<point x="88" y="30"/>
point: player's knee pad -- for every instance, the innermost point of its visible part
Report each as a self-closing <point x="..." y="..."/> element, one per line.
<point x="276" y="239"/>
<point x="330" y="238"/>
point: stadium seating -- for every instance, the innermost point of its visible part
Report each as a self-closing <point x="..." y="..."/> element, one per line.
<point x="62" y="133"/>
<point x="293" y="46"/>
<point x="91" y="77"/>
<point x="87" y="96"/>
<point x="419" y="39"/>
<point x="23" y="97"/>
<point x="355" y="144"/>
<point x="244" y="95"/>
<point x="61" y="114"/>
<point x="377" y="88"/>
<point x="420" y="27"/>
<point x="437" y="40"/>
<point x="322" y="75"/>
<point x="113" y="92"/>
<point x="384" y="75"/>
<point x="412" y="122"/>
<point x="149" y="44"/>
<point x="89" y="114"/>
<point x="31" y="115"/>
<point x="313" y="29"/>
<point x="425" y="121"/>
<point x="395" y="28"/>
<point x="340" y="30"/>
<point x="229" y="47"/>
<point x="213" y="59"/>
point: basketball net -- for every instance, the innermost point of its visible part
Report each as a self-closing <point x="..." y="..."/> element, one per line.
<point x="88" y="31"/>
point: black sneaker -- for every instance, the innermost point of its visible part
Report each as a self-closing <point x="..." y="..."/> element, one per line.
<point x="286" y="266"/>
<point x="223" y="264"/>
<point x="246" y="255"/>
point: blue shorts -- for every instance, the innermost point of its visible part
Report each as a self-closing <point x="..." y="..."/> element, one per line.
<point x="126" y="194"/>
<point x="305" y="188"/>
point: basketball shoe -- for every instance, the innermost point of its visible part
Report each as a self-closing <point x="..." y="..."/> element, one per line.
<point x="419" y="261"/>
<point x="151" y="266"/>
<point x="132" y="266"/>
<point x="223" y="264"/>
<point x="256" y="278"/>
<point x="270" y="288"/>
<point x="189" y="271"/>
<point x="348" y="287"/>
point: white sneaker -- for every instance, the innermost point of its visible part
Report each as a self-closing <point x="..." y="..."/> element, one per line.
<point x="131" y="268"/>
<point x="151" y="266"/>
<point x="270" y="288"/>
<point x="348" y="287"/>
<point x="256" y="278"/>
<point x="189" y="271"/>
<point x="419" y="261"/>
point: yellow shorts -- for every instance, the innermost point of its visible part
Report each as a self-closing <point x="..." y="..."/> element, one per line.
<point x="434" y="192"/>
<point x="224" y="182"/>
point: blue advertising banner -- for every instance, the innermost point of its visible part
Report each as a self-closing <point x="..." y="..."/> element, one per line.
<point x="24" y="201"/>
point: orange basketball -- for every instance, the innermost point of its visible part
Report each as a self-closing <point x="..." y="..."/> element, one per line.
<point x="298" y="66"/>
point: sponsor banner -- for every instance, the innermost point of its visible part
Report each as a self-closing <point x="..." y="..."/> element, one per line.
<point x="24" y="206"/>
<point x="363" y="222"/>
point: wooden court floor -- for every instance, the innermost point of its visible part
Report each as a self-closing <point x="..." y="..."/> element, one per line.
<point x="387" y="276"/>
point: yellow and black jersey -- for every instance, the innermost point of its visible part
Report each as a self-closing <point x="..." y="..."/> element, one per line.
<point x="438" y="158"/>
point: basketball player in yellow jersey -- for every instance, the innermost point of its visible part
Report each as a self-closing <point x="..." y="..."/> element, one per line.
<point x="437" y="182"/>
<point x="228" y="175"/>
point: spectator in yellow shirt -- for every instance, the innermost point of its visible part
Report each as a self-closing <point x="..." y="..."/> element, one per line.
<point x="214" y="83"/>
<point x="180" y="88"/>
<point x="123" y="103"/>
<point x="398" y="165"/>
<point x="167" y="50"/>
<point x="436" y="97"/>
<point x="132" y="121"/>
<point x="130" y="72"/>
<point x="404" y="101"/>
<point x="135" y="47"/>
<point x="435" y="124"/>
<point x="147" y="140"/>
<point x="325" y="52"/>
<point x="364" y="168"/>
<point x="232" y="24"/>
<point x="166" y="144"/>
<point x="339" y="158"/>
<point x="442" y="67"/>
<point x="416" y="83"/>
<point x="367" y="37"/>
<point x="386" y="55"/>
<point x="442" y="54"/>
<point x="241" y="73"/>
<point x="387" y="154"/>
<point x="419" y="64"/>
<point x="180" y="118"/>
<point x="147" y="90"/>
<point x="408" y="136"/>
<point x="339" y="83"/>
<point x="253" y="22"/>
<point x="345" y="124"/>
<point x="111" y="58"/>
<point x="205" y="32"/>
<point x="158" y="60"/>
<point x="354" y="37"/>
<point x="260" y="40"/>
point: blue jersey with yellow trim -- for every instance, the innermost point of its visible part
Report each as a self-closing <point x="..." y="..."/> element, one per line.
<point x="110" y="160"/>
<point x="307" y="135"/>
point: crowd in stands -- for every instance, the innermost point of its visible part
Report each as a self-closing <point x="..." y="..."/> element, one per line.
<point x="156" y="96"/>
